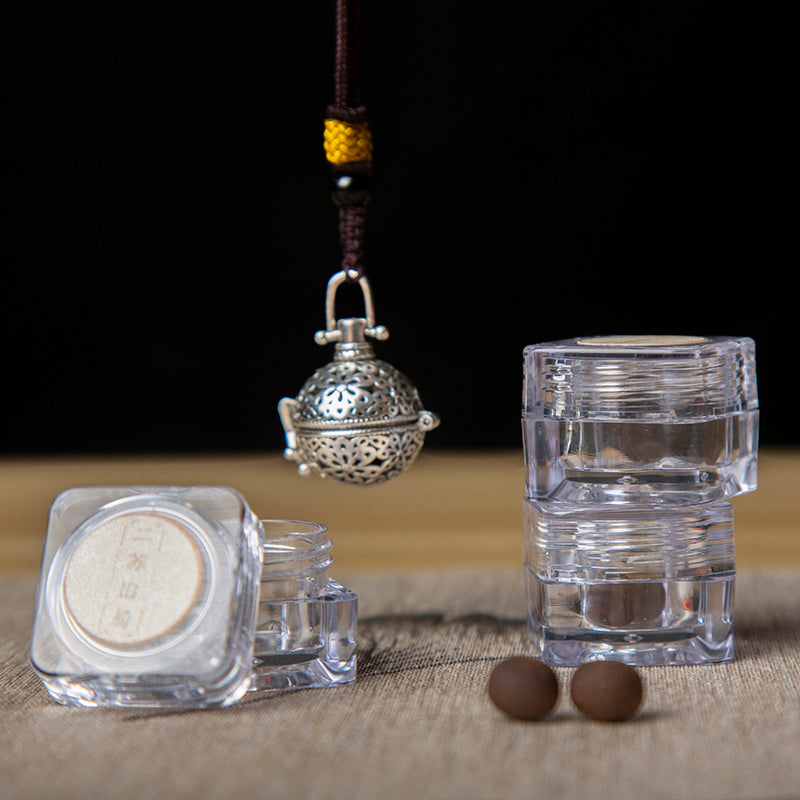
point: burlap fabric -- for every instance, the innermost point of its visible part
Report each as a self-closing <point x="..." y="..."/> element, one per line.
<point x="418" y="724"/>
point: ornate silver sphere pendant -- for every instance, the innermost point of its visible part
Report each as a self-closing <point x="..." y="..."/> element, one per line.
<point x="357" y="420"/>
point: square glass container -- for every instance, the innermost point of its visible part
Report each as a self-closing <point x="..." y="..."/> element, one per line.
<point x="306" y="630"/>
<point x="633" y="419"/>
<point x="642" y="584"/>
<point x="148" y="597"/>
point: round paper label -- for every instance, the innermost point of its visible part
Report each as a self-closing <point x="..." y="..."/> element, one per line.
<point x="133" y="578"/>
<point x="642" y="341"/>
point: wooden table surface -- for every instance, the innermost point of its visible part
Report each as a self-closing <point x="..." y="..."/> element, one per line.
<point x="453" y="508"/>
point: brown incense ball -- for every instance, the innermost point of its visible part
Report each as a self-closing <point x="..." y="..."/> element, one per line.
<point x="609" y="691"/>
<point x="523" y="688"/>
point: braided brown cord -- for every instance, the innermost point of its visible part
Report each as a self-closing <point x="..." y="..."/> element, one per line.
<point x="348" y="142"/>
<point x="346" y="73"/>
<point x="351" y="236"/>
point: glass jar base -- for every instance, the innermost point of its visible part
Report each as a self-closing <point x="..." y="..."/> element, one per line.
<point x="564" y="649"/>
<point x="643" y="623"/>
<point x="316" y="672"/>
<point x="629" y="462"/>
<point x="306" y="642"/>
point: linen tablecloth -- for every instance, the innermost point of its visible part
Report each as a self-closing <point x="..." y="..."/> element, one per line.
<point x="417" y="723"/>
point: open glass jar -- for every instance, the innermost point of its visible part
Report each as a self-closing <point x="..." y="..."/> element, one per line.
<point x="178" y="597"/>
<point x="306" y="628"/>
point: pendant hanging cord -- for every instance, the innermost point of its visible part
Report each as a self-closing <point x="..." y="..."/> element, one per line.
<point x="347" y="66"/>
<point x="348" y="141"/>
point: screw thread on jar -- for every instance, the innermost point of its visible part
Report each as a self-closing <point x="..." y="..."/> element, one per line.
<point x="296" y="558"/>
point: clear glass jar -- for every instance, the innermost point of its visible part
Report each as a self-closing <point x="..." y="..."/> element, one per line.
<point x="640" y="419"/>
<point x="643" y="584"/>
<point x="306" y="629"/>
<point x="147" y="597"/>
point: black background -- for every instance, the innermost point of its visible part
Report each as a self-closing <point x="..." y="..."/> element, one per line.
<point x="542" y="171"/>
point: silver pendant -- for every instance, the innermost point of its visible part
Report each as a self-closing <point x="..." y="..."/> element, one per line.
<point x="357" y="420"/>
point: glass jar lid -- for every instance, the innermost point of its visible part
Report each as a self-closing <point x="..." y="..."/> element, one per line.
<point x="672" y="378"/>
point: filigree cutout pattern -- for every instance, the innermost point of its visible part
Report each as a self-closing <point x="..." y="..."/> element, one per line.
<point x="355" y="390"/>
<point x="365" y="459"/>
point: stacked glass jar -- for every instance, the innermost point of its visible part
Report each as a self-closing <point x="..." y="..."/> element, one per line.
<point x="633" y="447"/>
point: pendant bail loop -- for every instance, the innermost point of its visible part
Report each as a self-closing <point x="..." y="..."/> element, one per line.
<point x="333" y="332"/>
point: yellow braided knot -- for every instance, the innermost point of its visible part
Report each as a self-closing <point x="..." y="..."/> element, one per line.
<point x="346" y="142"/>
